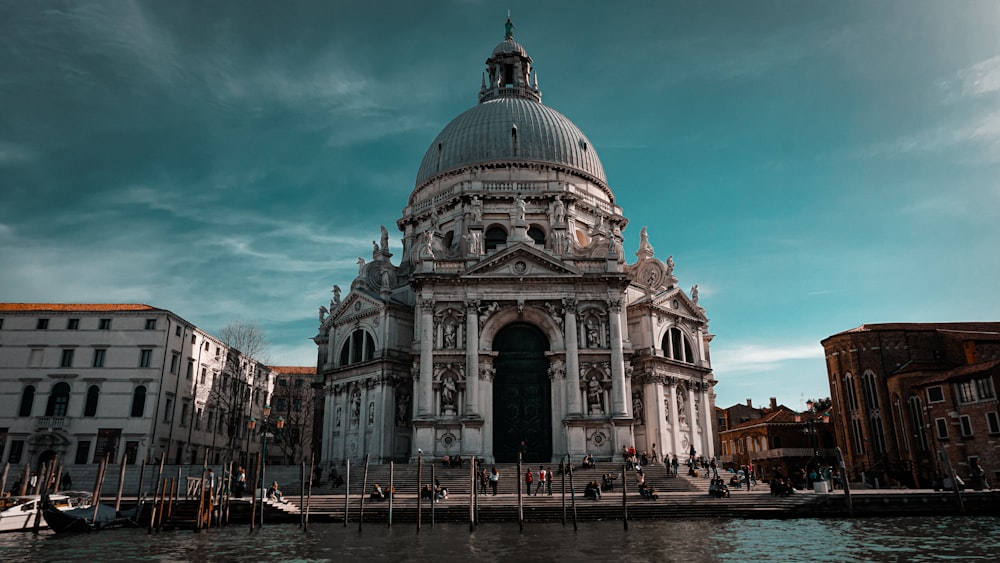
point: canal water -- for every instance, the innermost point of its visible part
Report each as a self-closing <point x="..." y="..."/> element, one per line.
<point x="870" y="539"/>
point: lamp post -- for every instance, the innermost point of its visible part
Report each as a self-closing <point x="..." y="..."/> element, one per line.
<point x="265" y="433"/>
<point x="812" y="433"/>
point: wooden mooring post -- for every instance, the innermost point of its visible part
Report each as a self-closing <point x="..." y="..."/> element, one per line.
<point x="364" y="491"/>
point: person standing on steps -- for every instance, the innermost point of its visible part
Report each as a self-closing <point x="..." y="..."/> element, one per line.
<point x="528" y="480"/>
<point x="548" y="481"/>
<point x="494" y="479"/>
<point x="541" y="479"/>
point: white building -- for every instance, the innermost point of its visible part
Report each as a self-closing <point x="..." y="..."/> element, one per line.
<point x="80" y="382"/>
<point x="513" y="320"/>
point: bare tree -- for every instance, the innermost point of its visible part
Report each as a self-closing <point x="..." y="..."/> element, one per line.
<point x="242" y="383"/>
<point x="293" y="399"/>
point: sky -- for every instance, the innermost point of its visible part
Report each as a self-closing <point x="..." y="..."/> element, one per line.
<point x="812" y="166"/>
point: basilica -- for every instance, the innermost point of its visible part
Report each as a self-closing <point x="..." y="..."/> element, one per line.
<point x="513" y="323"/>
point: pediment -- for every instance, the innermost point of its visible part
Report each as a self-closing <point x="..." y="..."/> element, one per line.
<point x="521" y="261"/>
<point x="677" y="302"/>
<point x="356" y="303"/>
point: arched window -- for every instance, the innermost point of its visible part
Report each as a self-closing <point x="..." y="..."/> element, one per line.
<point x="139" y="401"/>
<point x="869" y="391"/>
<point x="916" y="408"/>
<point x="677" y="346"/>
<point x="360" y="347"/>
<point x="537" y="235"/>
<point x="27" y="400"/>
<point x="850" y="393"/>
<point x="90" y="408"/>
<point x="58" y="400"/>
<point x="449" y="239"/>
<point x="495" y="236"/>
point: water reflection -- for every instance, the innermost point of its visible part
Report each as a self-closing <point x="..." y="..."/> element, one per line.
<point x="882" y="539"/>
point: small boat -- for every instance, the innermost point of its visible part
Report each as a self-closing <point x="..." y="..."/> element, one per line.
<point x="18" y="513"/>
<point x="88" y="519"/>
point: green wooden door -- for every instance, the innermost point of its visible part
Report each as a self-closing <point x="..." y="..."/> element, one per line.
<point x="521" y="395"/>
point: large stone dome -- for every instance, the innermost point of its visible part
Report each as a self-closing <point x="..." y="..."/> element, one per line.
<point x="511" y="129"/>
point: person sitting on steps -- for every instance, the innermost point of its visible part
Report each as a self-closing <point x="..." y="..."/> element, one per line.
<point x="275" y="492"/>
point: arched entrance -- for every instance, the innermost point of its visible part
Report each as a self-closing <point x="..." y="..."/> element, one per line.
<point x="521" y="395"/>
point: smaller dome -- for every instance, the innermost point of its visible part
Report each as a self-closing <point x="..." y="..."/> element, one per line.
<point x="509" y="47"/>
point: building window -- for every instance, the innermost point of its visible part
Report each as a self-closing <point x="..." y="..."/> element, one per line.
<point x="82" y="451"/>
<point x="16" y="449"/>
<point x="168" y="410"/>
<point x="984" y="388"/>
<point x="942" y="428"/>
<point x="859" y="443"/>
<point x="935" y="394"/>
<point x="204" y="373"/>
<point x="150" y="324"/>
<point x="177" y="330"/>
<point x="27" y="401"/>
<point x="58" y="400"/>
<point x="184" y="413"/>
<point x="99" y="354"/>
<point x="67" y="358"/>
<point x="72" y="324"/>
<point x="966" y="392"/>
<point x="916" y="421"/>
<point x="850" y="393"/>
<point x="210" y="422"/>
<point x="495" y="236"/>
<point x="175" y="360"/>
<point x="1" y="323"/>
<point x="993" y="422"/>
<point x="145" y="357"/>
<point x="131" y="452"/>
<point x="42" y="324"/>
<point x="190" y="369"/>
<point x="359" y="347"/>
<point x="197" y="420"/>
<point x="869" y="391"/>
<point x="139" y="401"/>
<point x="966" y="424"/>
<point x="90" y="407"/>
<point x="206" y="346"/>
<point x="104" y="324"/>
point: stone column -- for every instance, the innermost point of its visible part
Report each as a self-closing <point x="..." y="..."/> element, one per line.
<point x="692" y="421"/>
<point x="675" y="425"/>
<point x="620" y="405"/>
<point x="472" y="358"/>
<point x="572" y="360"/>
<point x="426" y="358"/>
<point x="706" y="433"/>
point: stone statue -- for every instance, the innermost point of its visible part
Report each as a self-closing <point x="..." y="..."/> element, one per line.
<point x="386" y="286"/>
<point x="322" y="313"/>
<point x="449" y="335"/>
<point x="385" y="238"/>
<point x="475" y="243"/>
<point x="434" y="220"/>
<point x="361" y="265"/>
<point x="637" y="407"/>
<point x="592" y="336"/>
<point x="694" y="293"/>
<point x="401" y="404"/>
<point x="519" y="209"/>
<point x="670" y="265"/>
<point x="374" y="250"/>
<point x="340" y="412"/>
<point x="477" y="209"/>
<point x="643" y="239"/>
<point x="558" y="211"/>
<point x="594" y="395"/>
<point x="356" y="410"/>
<point x="485" y="312"/>
<point x="448" y="392"/>
<point x="336" y="296"/>
<point x="371" y="412"/>
<point x="429" y="244"/>
<point x="666" y="408"/>
<point x="681" y="413"/>
<point x="508" y="29"/>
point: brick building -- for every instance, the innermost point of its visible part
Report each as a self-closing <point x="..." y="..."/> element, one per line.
<point x="913" y="399"/>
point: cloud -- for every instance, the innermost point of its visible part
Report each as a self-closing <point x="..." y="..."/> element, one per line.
<point x="14" y="154"/>
<point x="976" y="80"/>
<point x="749" y="358"/>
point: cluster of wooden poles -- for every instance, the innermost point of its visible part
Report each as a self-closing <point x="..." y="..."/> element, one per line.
<point x="473" y="500"/>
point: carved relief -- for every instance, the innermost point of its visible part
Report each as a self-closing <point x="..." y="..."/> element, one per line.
<point x="356" y="404"/>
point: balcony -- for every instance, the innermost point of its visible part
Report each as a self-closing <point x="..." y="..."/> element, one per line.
<point x="52" y="422"/>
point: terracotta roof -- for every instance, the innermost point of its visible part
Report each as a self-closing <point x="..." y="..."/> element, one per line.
<point x="985" y="327"/>
<point x="295" y="370"/>
<point x="76" y="307"/>
<point x="960" y="372"/>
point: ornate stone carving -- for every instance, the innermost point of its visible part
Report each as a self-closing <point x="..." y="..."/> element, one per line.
<point x="557" y="369"/>
<point x="637" y="407"/>
<point x="569" y="305"/>
<point x="356" y="404"/>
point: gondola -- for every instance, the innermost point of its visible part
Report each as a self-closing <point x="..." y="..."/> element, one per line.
<point x="81" y="520"/>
